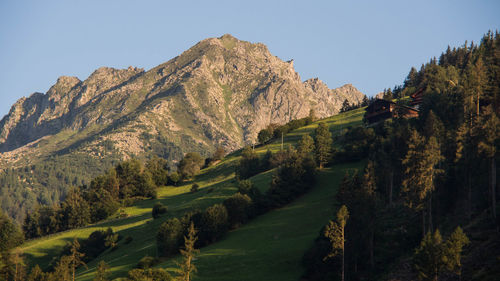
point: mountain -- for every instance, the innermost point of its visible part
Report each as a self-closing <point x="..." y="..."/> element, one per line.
<point x="220" y="92"/>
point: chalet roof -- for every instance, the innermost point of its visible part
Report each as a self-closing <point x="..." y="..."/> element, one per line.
<point x="378" y="101"/>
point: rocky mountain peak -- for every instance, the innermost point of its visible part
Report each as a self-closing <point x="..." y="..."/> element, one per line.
<point x="222" y="91"/>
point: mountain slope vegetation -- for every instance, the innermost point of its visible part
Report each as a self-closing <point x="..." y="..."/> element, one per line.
<point x="219" y="93"/>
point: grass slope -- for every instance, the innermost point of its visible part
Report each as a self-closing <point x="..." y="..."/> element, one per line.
<point x="271" y="245"/>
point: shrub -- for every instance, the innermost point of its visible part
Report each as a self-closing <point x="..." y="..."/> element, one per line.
<point x="128" y="239"/>
<point x="158" y="210"/>
<point x="191" y="164"/>
<point x="147" y="262"/>
<point x="237" y="207"/>
<point x="169" y="237"/>
<point x="156" y="274"/>
<point x="195" y="187"/>
<point x="214" y="224"/>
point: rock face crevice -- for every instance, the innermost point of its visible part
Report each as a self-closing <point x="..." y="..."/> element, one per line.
<point x="222" y="91"/>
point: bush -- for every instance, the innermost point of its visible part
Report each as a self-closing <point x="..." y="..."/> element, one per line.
<point x="238" y="207"/>
<point x="214" y="224"/>
<point x="147" y="262"/>
<point x="169" y="237"/>
<point x="174" y="178"/>
<point x="158" y="210"/>
<point x="195" y="187"/>
<point x="191" y="164"/>
<point x="128" y="239"/>
<point x="156" y="274"/>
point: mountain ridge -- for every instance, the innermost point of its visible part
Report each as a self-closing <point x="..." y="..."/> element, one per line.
<point x="219" y="93"/>
<point x="274" y="91"/>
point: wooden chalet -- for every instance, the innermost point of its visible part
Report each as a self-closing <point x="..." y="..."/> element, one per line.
<point x="417" y="98"/>
<point x="383" y="109"/>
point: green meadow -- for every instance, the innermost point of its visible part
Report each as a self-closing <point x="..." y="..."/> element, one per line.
<point x="269" y="247"/>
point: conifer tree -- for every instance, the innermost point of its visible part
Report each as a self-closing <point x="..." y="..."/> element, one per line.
<point x="305" y="145"/>
<point x="428" y="259"/>
<point x="489" y="140"/>
<point x="187" y="267"/>
<point x="419" y="173"/>
<point x="102" y="272"/>
<point x="37" y="274"/>
<point x="323" y="144"/>
<point x="454" y="247"/>
<point x="75" y="258"/>
<point x="335" y="232"/>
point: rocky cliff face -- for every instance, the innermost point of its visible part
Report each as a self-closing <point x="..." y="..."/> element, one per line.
<point x="222" y="91"/>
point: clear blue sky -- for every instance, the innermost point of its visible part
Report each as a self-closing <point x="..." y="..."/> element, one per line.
<point x="371" y="44"/>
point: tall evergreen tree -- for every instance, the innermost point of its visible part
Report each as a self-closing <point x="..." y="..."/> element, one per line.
<point x="454" y="247"/>
<point x="419" y="173"/>
<point x="305" y="145"/>
<point x="187" y="267"/>
<point x="335" y="232"/>
<point x="75" y="257"/>
<point x="489" y="141"/>
<point x="428" y="259"/>
<point x="323" y="144"/>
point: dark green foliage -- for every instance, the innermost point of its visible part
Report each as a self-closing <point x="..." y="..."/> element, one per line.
<point x="265" y="134"/>
<point x="94" y="245"/>
<point x="238" y="208"/>
<point x="213" y="225"/>
<point x="356" y="143"/>
<point x="191" y="164"/>
<point x="194" y="188"/>
<point x="323" y="144"/>
<point x="75" y="211"/>
<point x="158" y="167"/>
<point x="435" y="256"/>
<point x="10" y="234"/>
<point x="275" y="131"/>
<point x="305" y="145"/>
<point x="147" y="262"/>
<point x="102" y="273"/>
<point x="134" y="180"/>
<point x="174" y="178"/>
<point x="47" y="181"/>
<point x="153" y="274"/>
<point x="281" y="157"/>
<point x="129" y="239"/>
<point x="249" y="164"/>
<point x="292" y="179"/>
<point x="158" y="210"/>
<point x="42" y="221"/>
<point x="169" y="237"/>
<point x="37" y="274"/>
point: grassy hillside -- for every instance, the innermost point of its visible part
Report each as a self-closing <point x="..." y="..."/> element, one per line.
<point x="251" y="251"/>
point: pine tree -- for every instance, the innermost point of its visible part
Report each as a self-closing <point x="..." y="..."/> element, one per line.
<point x="419" y="167"/>
<point x="435" y="256"/>
<point x="453" y="253"/>
<point x="75" y="258"/>
<point x="37" y="274"/>
<point x="428" y="259"/>
<point x="305" y="145"/>
<point x="369" y="202"/>
<point x="489" y="140"/>
<point x="335" y="232"/>
<point x="102" y="272"/>
<point x="187" y="267"/>
<point x="323" y="144"/>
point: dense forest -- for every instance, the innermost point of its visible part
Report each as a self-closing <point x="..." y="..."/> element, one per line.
<point x="423" y="207"/>
<point x="426" y="180"/>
